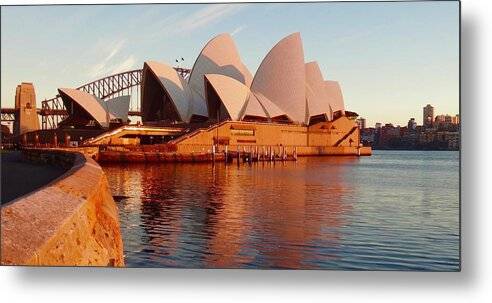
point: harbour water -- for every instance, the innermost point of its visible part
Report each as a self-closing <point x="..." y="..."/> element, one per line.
<point x="395" y="210"/>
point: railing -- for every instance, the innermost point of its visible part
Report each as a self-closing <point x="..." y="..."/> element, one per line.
<point x="346" y="136"/>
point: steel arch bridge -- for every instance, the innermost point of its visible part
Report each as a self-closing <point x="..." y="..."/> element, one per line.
<point x="126" y="83"/>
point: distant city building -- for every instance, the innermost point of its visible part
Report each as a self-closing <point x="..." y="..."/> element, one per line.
<point x="446" y="123"/>
<point x="439" y="132"/>
<point x="456" y="119"/>
<point x="412" y="124"/>
<point x="443" y="119"/>
<point x="389" y="135"/>
<point x="439" y="119"/>
<point x="368" y="136"/>
<point x="409" y="135"/>
<point x="361" y="122"/>
<point x="453" y="140"/>
<point x="428" y="117"/>
<point x="444" y="136"/>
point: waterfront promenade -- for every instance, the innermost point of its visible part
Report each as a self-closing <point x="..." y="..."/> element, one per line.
<point x="20" y="177"/>
<point x="65" y="214"/>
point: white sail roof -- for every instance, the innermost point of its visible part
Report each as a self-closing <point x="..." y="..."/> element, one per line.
<point x="271" y="108"/>
<point x="281" y="77"/>
<point x="90" y="103"/>
<point x="219" y="56"/>
<point x="335" y="96"/>
<point x="316" y="92"/>
<point x="254" y="108"/>
<point x="231" y="92"/>
<point x="174" y="85"/>
<point x="119" y="107"/>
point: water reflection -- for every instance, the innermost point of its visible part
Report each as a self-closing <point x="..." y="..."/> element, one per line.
<point x="283" y="215"/>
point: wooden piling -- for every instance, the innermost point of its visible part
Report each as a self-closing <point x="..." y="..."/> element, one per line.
<point x="213" y="154"/>
<point x="226" y="151"/>
<point x="238" y="155"/>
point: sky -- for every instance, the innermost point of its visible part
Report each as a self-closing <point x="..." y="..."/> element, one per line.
<point x="390" y="58"/>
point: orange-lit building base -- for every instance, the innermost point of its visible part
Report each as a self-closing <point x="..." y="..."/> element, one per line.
<point x="230" y="140"/>
<point x="261" y="141"/>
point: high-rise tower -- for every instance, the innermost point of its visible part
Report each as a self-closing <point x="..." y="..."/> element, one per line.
<point x="428" y="117"/>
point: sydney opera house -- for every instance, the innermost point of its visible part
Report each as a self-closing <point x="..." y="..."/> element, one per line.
<point x="284" y="89"/>
<point x="287" y="102"/>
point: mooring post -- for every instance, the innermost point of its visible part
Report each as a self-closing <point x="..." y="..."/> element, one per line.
<point x="226" y="150"/>
<point x="238" y="157"/>
<point x="213" y="154"/>
<point x="251" y="152"/>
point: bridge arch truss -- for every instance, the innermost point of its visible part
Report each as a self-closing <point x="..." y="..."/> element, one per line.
<point x="125" y="83"/>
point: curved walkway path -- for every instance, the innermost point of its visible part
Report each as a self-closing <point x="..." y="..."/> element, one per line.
<point x="21" y="177"/>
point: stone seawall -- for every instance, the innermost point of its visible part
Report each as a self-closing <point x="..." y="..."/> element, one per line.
<point x="73" y="221"/>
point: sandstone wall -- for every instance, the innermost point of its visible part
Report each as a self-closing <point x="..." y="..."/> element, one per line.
<point x="72" y="221"/>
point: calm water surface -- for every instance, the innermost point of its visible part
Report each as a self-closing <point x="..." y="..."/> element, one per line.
<point x="395" y="210"/>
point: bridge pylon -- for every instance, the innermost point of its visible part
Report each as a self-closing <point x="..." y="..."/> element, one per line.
<point x="26" y="119"/>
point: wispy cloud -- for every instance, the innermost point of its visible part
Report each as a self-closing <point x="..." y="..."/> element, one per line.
<point x="237" y="30"/>
<point x="112" y="60"/>
<point x="105" y="64"/>
<point x="179" y="24"/>
<point x="125" y="65"/>
<point x="210" y="15"/>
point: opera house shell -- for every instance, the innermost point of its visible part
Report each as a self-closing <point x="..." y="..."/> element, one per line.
<point x="85" y="109"/>
<point x="284" y="89"/>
